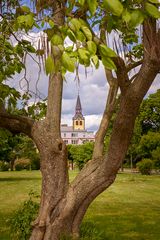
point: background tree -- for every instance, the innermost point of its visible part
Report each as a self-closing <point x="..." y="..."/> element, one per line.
<point x="156" y="158"/>
<point x="80" y="154"/>
<point x="149" y="116"/>
<point x="145" y="137"/>
<point x="17" y="146"/>
<point x="63" y="205"/>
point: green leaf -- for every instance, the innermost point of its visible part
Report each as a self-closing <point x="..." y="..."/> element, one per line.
<point x="108" y="63"/>
<point x="80" y="36"/>
<point x="42" y="23"/>
<point x="69" y="49"/>
<point x="126" y="16"/>
<point x="87" y="32"/>
<point x="152" y="10"/>
<point x="50" y="33"/>
<point x="21" y="19"/>
<point x="83" y="23"/>
<point x="137" y="17"/>
<point x="68" y="62"/>
<point x="75" y="24"/>
<point x="106" y="51"/>
<point x="40" y="52"/>
<point x="25" y="9"/>
<point x="81" y="2"/>
<point x="26" y="19"/>
<point x="95" y="61"/>
<point x="56" y="40"/>
<point x="154" y="1"/>
<point x="83" y="54"/>
<point x="49" y="65"/>
<point x="92" y="48"/>
<point x="51" y="23"/>
<point x="92" y="5"/>
<point x="31" y="49"/>
<point x="29" y="20"/>
<point x="71" y="35"/>
<point x="115" y="6"/>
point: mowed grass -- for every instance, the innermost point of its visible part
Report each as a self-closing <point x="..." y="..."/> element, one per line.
<point x="129" y="209"/>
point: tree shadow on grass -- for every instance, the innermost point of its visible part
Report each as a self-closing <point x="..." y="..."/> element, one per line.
<point x="12" y="179"/>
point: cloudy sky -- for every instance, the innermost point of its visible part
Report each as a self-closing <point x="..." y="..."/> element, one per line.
<point x="93" y="91"/>
<point x="92" y="88"/>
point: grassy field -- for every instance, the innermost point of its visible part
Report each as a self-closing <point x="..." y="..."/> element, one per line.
<point x="129" y="209"/>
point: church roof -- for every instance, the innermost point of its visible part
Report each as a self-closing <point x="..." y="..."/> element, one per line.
<point x="78" y="116"/>
<point x="66" y="128"/>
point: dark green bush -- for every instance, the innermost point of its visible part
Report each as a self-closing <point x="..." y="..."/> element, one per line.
<point x="156" y="158"/>
<point x="35" y="162"/>
<point x="20" y="224"/>
<point x="22" y="164"/>
<point x="145" y="166"/>
<point x="4" y="166"/>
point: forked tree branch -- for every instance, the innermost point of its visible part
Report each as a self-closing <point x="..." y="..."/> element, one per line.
<point x="151" y="64"/>
<point x="107" y="115"/>
<point x="122" y="76"/>
<point x="16" y="124"/>
<point x="133" y="65"/>
<point x="109" y="108"/>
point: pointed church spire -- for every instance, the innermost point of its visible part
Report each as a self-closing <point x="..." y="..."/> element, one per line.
<point x="78" y="119"/>
<point x="78" y="105"/>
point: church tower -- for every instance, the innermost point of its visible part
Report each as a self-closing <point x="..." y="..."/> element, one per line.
<point x="78" y="119"/>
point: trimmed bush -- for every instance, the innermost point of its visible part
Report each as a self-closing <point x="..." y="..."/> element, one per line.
<point x="4" y="166"/>
<point x="22" y="164"/>
<point x="145" y="166"/>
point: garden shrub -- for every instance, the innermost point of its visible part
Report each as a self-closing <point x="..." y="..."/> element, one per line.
<point x="35" y="162"/>
<point x="4" y="166"/>
<point x="22" y="163"/>
<point x="145" y="166"/>
<point x="20" y="223"/>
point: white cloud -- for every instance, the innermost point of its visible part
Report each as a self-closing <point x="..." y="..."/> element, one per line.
<point x="93" y="90"/>
<point x="155" y="85"/>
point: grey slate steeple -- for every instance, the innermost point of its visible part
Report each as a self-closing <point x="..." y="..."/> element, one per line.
<point x="78" y="105"/>
<point x="78" y="109"/>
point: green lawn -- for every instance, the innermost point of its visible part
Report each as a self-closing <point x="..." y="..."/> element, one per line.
<point x="129" y="209"/>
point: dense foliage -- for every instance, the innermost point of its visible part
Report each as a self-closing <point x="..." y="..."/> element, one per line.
<point x="146" y="138"/>
<point x="145" y="166"/>
<point x="80" y="154"/>
<point x="14" y="147"/>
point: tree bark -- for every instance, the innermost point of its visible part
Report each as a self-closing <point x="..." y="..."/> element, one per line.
<point x="63" y="206"/>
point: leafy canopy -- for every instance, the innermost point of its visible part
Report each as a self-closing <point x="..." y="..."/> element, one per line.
<point x="83" y="21"/>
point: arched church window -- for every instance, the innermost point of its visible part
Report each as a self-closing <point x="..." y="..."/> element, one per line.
<point x="76" y="122"/>
<point x="80" y="122"/>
